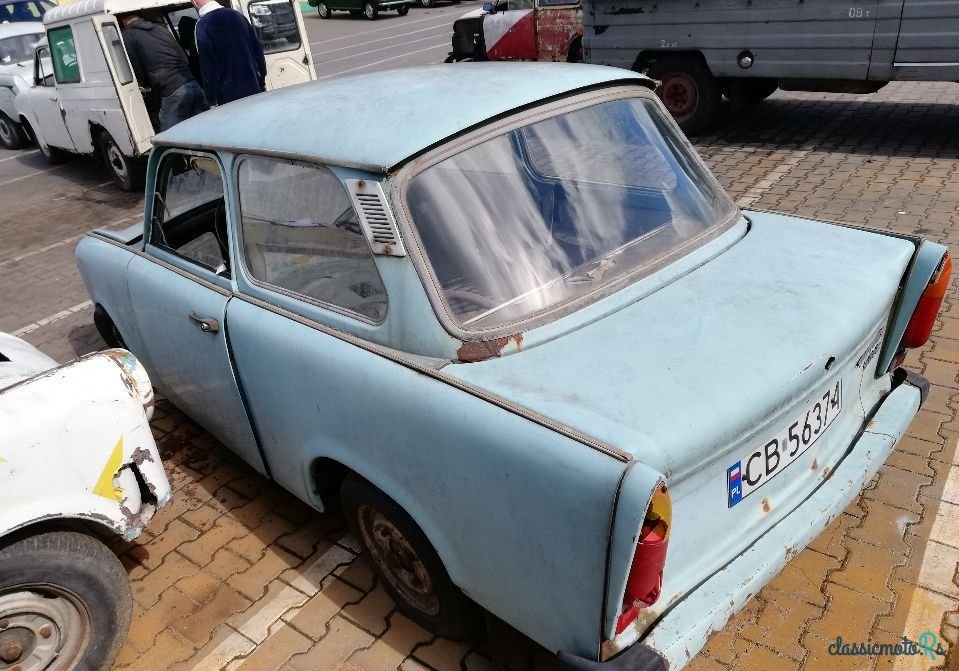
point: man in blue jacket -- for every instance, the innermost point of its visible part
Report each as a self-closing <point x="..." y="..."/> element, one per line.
<point x="232" y="65"/>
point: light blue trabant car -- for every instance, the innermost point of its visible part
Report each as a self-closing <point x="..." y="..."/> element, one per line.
<point x="511" y="321"/>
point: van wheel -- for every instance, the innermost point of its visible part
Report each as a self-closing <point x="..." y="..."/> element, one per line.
<point x="126" y="171"/>
<point x="689" y="91"/>
<point x="408" y="566"/>
<point x="12" y="134"/>
<point x="323" y="10"/>
<point x="370" y="11"/>
<point x="65" y="603"/>
<point x="403" y="10"/>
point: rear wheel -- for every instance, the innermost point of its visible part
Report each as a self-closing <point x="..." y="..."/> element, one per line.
<point x="12" y="134"/>
<point x="65" y="603"/>
<point x="411" y="571"/>
<point x="370" y="11"/>
<point x="403" y="10"/>
<point x="324" y="10"/>
<point x="127" y="172"/>
<point x="689" y="91"/>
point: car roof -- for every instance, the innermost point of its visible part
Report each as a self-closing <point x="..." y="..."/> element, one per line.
<point x="377" y="120"/>
<point x="19" y="27"/>
<point x="80" y="8"/>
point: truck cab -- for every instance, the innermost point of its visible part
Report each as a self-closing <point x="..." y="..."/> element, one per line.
<point x="85" y="98"/>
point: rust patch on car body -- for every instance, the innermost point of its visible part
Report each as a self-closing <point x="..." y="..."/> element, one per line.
<point x="140" y="456"/>
<point x="472" y="351"/>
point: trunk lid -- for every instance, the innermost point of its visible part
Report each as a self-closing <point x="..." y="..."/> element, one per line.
<point x="700" y="375"/>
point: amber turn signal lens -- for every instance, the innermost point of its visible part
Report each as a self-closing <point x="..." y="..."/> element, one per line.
<point x="924" y="317"/>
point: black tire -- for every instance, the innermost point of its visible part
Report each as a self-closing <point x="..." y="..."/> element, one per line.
<point x="324" y="10"/>
<point x="127" y="172"/>
<point x="81" y="591"/>
<point x="425" y="3"/>
<point x="12" y="134"/>
<point x="688" y="90"/>
<point x="575" y="52"/>
<point x="370" y="10"/>
<point x="403" y="10"/>
<point x="425" y="594"/>
<point x="107" y="328"/>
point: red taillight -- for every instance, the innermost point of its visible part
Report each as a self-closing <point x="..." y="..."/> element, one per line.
<point x="645" y="578"/>
<point x="924" y="317"/>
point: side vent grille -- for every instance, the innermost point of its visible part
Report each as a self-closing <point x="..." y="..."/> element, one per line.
<point x="376" y="218"/>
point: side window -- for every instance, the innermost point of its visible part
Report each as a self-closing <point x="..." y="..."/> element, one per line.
<point x="117" y="53"/>
<point x="42" y="67"/>
<point x="189" y="213"/>
<point x="64" y="53"/>
<point x="301" y="234"/>
<point x="274" y="22"/>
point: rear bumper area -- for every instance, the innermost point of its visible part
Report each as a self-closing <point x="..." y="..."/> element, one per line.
<point x="685" y="628"/>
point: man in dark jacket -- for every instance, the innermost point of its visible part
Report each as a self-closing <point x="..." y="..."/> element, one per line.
<point x="231" y="58"/>
<point x="160" y="64"/>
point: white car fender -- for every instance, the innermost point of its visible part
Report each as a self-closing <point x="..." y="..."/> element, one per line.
<point x="75" y="443"/>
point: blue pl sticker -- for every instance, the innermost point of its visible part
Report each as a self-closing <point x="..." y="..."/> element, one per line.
<point x="734" y="478"/>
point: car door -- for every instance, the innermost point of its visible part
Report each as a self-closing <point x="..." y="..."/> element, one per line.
<point x="279" y="27"/>
<point x="44" y="104"/>
<point x="928" y="46"/>
<point x="128" y="90"/>
<point x="180" y="288"/>
<point x="302" y="248"/>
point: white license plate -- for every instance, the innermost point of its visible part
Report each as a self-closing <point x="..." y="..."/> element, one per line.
<point x="769" y="459"/>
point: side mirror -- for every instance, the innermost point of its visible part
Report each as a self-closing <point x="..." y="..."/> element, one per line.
<point x="488" y="8"/>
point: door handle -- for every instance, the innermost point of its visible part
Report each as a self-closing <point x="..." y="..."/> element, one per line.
<point x="205" y="324"/>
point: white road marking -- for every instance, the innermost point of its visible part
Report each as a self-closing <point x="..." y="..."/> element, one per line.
<point x="32" y="174"/>
<point x="22" y="153"/>
<point x="382" y="39"/>
<point x="380" y="30"/>
<point x="373" y="51"/>
<point x="63" y="314"/>
<point x="385" y="60"/>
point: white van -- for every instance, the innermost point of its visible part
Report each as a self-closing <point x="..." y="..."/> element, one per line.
<point x="91" y="103"/>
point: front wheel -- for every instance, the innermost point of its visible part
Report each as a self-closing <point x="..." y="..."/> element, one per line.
<point x="403" y="10"/>
<point x="65" y="603"/>
<point x="323" y="10"/>
<point x="689" y="91"/>
<point x="411" y="571"/>
<point x="370" y="11"/>
<point x="12" y="134"/>
<point x="426" y="3"/>
<point x="127" y="172"/>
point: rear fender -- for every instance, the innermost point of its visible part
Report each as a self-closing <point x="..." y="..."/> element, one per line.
<point x="920" y="271"/>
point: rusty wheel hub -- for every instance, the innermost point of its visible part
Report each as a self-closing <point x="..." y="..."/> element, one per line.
<point x="41" y="630"/>
<point x="398" y="561"/>
<point x="679" y="94"/>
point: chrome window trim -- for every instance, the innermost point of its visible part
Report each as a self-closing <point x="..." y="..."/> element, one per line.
<point x="416" y="252"/>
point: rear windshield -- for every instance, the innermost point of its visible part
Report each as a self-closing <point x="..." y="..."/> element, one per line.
<point x="556" y="210"/>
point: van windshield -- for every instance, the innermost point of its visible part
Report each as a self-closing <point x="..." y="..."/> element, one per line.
<point x="561" y="208"/>
<point x="19" y="48"/>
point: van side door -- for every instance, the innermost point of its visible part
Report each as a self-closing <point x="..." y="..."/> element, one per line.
<point x="279" y="27"/>
<point x="928" y="46"/>
<point x="41" y="104"/>
<point x="139" y="128"/>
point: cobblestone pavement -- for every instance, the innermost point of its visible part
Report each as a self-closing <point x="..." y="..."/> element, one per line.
<point x="237" y="574"/>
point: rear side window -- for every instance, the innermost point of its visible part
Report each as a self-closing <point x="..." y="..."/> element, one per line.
<point x="275" y="24"/>
<point x="66" y="68"/>
<point x="301" y="235"/>
<point x="117" y="53"/>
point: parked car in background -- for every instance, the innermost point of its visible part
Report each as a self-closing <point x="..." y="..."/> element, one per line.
<point x="90" y="102"/>
<point x="535" y="350"/>
<point x="368" y="8"/>
<point x="16" y="11"/>
<point x="18" y="42"/>
<point x="706" y="50"/>
<point x="77" y="462"/>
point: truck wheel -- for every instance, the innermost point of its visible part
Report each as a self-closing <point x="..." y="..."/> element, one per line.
<point x="408" y="566"/>
<point x="127" y="172"/>
<point x="12" y="134"/>
<point x="689" y="91"/>
<point x="324" y="10"/>
<point x="403" y="10"/>
<point x="370" y="11"/>
<point x="65" y="602"/>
